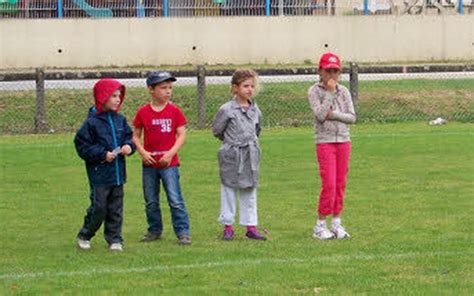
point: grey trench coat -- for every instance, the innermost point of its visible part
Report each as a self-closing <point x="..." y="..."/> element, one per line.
<point x="239" y="156"/>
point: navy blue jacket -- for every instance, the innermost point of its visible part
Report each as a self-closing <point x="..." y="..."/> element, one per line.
<point x="101" y="133"/>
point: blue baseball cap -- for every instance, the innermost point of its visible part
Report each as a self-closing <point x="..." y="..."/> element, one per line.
<point x="155" y="77"/>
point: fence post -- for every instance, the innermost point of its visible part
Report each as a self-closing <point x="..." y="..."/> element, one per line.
<point x="165" y="7"/>
<point x="280" y="8"/>
<point x="332" y="4"/>
<point x="40" y="115"/>
<point x="140" y="9"/>
<point x="460" y="7"/>
<point x="201" y="89"/>
<point x="60" y="8"/>
<point x="354" y="84"/>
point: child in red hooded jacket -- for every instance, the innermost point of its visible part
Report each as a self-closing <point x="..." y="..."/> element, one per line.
<point x="102" y="142"/>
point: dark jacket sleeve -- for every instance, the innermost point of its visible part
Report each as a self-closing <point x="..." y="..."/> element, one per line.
<point x="86" y="148"/>
<point x="128" y="136"/>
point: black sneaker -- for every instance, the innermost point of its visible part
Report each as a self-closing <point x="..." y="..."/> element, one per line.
<point x="149" y="237"/>
<point x="184" y="240"/>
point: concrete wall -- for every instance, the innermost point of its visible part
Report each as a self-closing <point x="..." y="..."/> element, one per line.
<point x="239" y="40"/>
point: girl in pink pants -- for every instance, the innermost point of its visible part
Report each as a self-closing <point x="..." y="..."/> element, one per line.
<point x="334" y="111"/>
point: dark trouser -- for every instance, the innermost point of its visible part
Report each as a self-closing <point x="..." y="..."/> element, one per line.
<point x="106" y="206"/>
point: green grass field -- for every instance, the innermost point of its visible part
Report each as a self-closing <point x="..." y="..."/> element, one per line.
<point x="409" y="208"/>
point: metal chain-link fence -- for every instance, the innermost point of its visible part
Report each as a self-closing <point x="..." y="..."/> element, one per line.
<point x="48" y="101"/>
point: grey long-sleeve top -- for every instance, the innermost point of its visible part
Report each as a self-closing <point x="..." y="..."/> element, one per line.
<point x="334" y="129"/>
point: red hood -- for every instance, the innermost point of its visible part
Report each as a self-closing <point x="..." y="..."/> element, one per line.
<point x="104" y="89"/>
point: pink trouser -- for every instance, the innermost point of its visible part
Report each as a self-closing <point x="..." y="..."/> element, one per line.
<point x="333" y="161"/>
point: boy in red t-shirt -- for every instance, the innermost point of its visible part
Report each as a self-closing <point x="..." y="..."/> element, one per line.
<point x="164" y="127"/>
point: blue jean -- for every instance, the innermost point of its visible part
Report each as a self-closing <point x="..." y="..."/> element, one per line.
<point x="151" y="190"/>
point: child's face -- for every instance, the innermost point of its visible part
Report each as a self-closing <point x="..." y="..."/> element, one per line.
<point x="162" y="91"/>
<point x="245" y="90"/>
<point x="328" y="74"/>
<point x="113" y="103"/>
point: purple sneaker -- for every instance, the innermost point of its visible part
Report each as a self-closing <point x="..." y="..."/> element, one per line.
<point x="254" y="234"/>
<point x="228" y="234"/>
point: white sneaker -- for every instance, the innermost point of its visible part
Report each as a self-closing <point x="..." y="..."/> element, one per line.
<point x="83" y="244"/>
<point x="340" y="232"/>
<point x="116" y="247"/>
<point x="322" y="232"/>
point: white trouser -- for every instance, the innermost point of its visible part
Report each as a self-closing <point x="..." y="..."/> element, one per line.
<point x="248" y="206"/>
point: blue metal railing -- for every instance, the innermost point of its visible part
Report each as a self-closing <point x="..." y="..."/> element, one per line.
<point x="190" y="8"/>
<point x="165" y="8"/>
<point x="60" y="8"/>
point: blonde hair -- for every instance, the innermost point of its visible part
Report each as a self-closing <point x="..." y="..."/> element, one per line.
<point x="241" y="75"/>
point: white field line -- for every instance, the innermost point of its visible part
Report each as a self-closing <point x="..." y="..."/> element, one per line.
<point x="210" y="265"/>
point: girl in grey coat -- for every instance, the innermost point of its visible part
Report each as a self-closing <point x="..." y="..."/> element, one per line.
<point x="237" y="125"/>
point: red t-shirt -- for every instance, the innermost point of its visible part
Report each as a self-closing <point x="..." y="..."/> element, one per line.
<point x="159" y="129"/>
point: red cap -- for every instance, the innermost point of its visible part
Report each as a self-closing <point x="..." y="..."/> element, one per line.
<point x="329" y="61"/>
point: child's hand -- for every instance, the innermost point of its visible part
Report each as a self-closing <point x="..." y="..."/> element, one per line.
<point x="329" y="115"/>
<point x="110" y="156"/>
<point x="126" y="150"/>
<point x="165" y="160"/>
<point x="148" y="158"/>
<point x="331" y="85"/>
